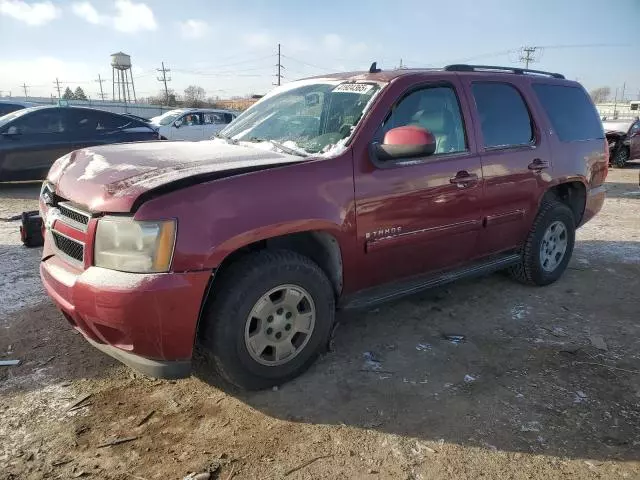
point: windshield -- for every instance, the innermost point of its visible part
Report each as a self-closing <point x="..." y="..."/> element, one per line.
<point x="310" y="117"/>
<point x="13" y="115"/>
<point x="167" y="118"/>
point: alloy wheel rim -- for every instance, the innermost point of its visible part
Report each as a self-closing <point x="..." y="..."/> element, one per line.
<point x="280" y="325"/>
<point x="553" y="246"/>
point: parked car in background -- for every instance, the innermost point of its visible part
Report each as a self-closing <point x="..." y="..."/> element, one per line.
<point x="623" y="137"/>
<point x="192" y="124"/>
<point x="32" y="139"/>
<point x="8" y="106"/>
<point x="388" y="183"/>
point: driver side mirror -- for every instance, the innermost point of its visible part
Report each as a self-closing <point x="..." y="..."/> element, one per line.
<point x="405" y="142"/>
<point x="177" y="123"/>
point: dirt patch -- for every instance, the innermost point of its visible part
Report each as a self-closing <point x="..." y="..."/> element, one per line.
<point x="545" y="384"/>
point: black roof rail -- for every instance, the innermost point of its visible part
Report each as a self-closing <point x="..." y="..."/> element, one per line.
<point x="492" y="68"/>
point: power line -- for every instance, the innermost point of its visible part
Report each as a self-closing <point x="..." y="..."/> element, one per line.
<point x="164" y="79"/>
<point x="279" y="66"/>
<point x="307" y="63"/>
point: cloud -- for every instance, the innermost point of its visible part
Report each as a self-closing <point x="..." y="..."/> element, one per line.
<point x="33" y="14"/>
<point x="332" y="41"/>
<point x="258" y="40"/>
<point x="134" y="17"/>
<point x="194" y="28"/>
<point x="129" y="17"/>
<point x="88" y="12"/>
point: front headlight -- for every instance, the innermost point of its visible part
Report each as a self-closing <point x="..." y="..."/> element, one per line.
<point x="131" y="246"/>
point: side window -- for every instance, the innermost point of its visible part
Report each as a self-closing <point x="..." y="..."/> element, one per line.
<point x="504" y="118"/>
<point x="570" y="112"/>
<point x="228" y="118"/>
<point x="437" y="110"/>
<point x="43" y="121"/>
<point x="216" y="118"/>
<point x="86" y="120"/>
<point x="635" y="128"/>
<point x="191" y="119"/>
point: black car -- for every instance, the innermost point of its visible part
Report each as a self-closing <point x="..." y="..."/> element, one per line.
<point x="31" y="139"/>
<point x="623" y="137"/>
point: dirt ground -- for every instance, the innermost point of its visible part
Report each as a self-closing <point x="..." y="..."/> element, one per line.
<point x="545" y="385"/>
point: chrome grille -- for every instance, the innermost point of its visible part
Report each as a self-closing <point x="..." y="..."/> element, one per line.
<point x="74" y="214"/>
<point x="69" y="247"/>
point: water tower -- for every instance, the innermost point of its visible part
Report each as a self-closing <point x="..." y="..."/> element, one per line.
<point x="122" y="77"/>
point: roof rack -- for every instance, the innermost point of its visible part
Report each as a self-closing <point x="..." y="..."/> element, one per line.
<point x="491" y="68"/>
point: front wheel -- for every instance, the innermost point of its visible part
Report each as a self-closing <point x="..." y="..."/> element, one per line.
<point x="271" y="316"/>
<point x="549" y="245"/>
<point x="620" y="158"/>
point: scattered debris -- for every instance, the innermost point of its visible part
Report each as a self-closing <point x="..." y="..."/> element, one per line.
<point x="9" y="363"/>
<point x="198" y="476"/>
<point x="608" y="366"/>
<point x="146" y="418"/>
<point x="306" y="464"/>
<point x="580" y="397"/>
<point x="383" y="372"/>
<point x="117" y="441"/>
<point x="469" y="379"/>
<point x="423" y="347"/>
<point x="455" y="339"/>
<point x="78" y="407"/>
<point x="42" y="364"/>
<point x="274" y="388"/>
<point x="59" y="463"/>
<point x="79" y="402"/>
<point x="81" y="473"/>
<point x="598" y="342"/>
<point x="531" y="427"/>
<point x="372" y="361"/>
<point x="518" y="312"/>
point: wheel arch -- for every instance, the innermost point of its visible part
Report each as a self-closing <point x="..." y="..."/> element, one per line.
<point x="321" y="246"/>
<point x="573" y="193"/>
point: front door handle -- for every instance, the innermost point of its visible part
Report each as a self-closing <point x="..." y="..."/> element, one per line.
<point x="538" y="164"/>
<point x="464" y="179"/>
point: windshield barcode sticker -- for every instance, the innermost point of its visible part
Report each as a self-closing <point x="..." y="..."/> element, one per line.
<point x="353" y="88"/>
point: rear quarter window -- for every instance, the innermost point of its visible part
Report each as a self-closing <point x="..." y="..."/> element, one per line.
<point x="571" y="112"/>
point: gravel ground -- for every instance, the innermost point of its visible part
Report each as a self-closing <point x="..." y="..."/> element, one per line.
<point x="545" y="385"/>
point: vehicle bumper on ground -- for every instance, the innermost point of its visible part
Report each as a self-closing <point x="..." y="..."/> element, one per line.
<point x="595" y="200"/>
<point x="148" y="322"/>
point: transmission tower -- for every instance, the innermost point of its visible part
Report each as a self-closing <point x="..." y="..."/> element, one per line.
<point x="279" y="66"/>
<point x="527" y="55"/>
<point x="164" y="79"/>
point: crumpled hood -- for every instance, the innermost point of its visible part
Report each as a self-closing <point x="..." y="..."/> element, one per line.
<point x="111" y="178"/>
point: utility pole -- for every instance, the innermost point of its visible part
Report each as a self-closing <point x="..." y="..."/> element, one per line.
<point x="401" y="66"/>
<point x="164" y="79"/>
<point x="279" y="75"/>
<point x="527" y="56"/>
<point x="99" y="80"/>
<point x="26" y="94"/>
<point x="57" y="83"/>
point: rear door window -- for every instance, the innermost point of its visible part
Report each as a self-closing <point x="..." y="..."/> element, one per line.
<point x="570" y="111"/>
<point x="504" y="117"/>
<point x="48" y="120"/>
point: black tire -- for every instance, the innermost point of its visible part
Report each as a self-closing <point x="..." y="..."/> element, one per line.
<point x="530" y="270"/>
<point x="621" y="158"/>
<point x="238" y="290"/>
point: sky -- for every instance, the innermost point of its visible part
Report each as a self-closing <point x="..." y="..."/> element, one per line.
<point x="229" y="47"/>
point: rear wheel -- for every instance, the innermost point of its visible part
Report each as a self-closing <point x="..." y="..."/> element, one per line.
<point x="549" y="245"/>
<point x="621" y="157"/>
<point x="271" y="317"/>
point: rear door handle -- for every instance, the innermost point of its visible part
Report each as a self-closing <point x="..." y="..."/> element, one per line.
<point x="538" y="164"/>
<point x="463" y="179"/>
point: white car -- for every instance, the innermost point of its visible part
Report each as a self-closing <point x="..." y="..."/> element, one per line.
<point x="192" y="124"/>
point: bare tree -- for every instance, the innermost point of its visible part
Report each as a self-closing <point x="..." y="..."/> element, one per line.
<point x="600" y="95"/>
<point x="194" y="96"/>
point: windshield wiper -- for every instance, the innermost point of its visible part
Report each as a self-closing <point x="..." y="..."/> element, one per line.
<point x="230" y="140"/>
<point x="284" y="148"/>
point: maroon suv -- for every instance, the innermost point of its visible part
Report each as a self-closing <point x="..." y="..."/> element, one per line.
<point x="332" y="192"/>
